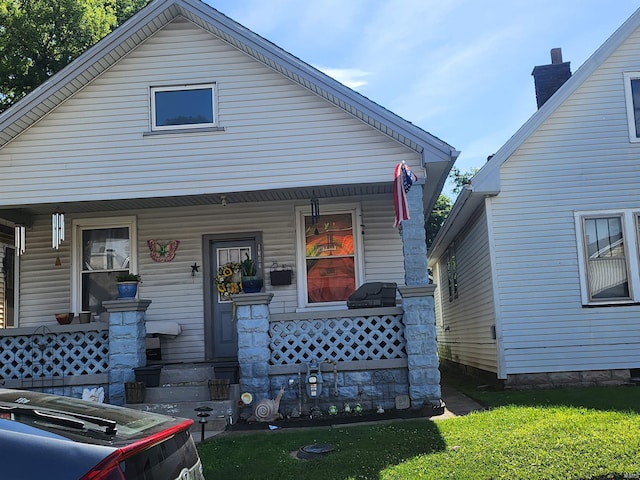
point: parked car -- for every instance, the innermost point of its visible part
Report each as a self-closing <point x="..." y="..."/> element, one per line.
<point x="63" y="438"/>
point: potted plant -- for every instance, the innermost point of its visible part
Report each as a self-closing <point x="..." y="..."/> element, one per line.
<point x="128" y="285"/>
<point x="251" y="282"/>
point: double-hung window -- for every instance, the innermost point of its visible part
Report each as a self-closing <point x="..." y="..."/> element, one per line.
<point x="329" y="255"/>
<point x="632" y="94"/>
<point x="103" y="249"/>
<point x="183" y="107"/>
<point x="609" y="257"/>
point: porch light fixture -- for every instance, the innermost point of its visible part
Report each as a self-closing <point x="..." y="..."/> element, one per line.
<point x="57" y="229"/>
<point x="223" y="200"/>
<point x="20" y="239"/>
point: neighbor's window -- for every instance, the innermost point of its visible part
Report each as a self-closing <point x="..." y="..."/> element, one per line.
<point x="103" y="250"/>
<point x="182" y="107"/>
<point x="632" y="93"/>
<point x="609" y="250"/>
<point x="606" y="258"/>
<point x="330" y="262"/>
<point x="452" y="273"/>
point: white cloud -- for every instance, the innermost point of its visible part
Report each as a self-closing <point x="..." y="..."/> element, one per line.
<point x="351" y="77"/>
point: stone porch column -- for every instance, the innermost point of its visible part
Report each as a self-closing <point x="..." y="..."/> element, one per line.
<point x="419" y="308"/>
<point x="252" y="317"/>
<point x="127" y="348"/>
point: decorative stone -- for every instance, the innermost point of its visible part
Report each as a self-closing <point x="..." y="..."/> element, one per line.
<point x="403" y="402"/>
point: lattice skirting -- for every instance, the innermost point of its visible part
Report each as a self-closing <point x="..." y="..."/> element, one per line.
<point x="345" y="339"/>
<point x="59" y="354"/>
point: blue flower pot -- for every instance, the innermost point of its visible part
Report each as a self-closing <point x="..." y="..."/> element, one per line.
<point x="251" y="284"/>
<point x="127" y="290"/>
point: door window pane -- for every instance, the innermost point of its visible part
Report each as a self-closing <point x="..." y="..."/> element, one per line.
<point x="229" y="277"/>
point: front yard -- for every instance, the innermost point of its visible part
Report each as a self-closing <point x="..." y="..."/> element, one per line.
<point x="591" y="433"/>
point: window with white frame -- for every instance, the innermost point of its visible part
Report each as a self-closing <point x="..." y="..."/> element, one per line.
<point x="102" y="249"/>
<point x="610" y="259"/>
<point x="181" y="107"/>
<point x="632" y="94"/>
<point x="329" y="254"/>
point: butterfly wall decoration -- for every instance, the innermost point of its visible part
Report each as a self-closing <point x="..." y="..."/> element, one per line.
<point x="163" y="250"/>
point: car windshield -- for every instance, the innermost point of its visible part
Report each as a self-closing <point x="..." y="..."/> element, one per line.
<point x="70" y="414"/>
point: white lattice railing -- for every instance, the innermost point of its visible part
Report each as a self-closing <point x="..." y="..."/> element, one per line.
<point x="53" y="352"/>
<point x="360" y="335"/>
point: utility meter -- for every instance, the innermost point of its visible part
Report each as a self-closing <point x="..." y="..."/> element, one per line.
<point x="313" y="380"/>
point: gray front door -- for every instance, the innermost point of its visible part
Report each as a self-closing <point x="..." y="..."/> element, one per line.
<point x="223" y="256"/>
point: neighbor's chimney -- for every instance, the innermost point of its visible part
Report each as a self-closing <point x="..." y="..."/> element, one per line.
<point x="549" y="78"/>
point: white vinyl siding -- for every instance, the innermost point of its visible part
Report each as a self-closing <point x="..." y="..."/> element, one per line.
<point x="276" y="133"/>
<point x="177" y="295"/>
<point x="579" y="159"/>
<point x="466" y="324"/>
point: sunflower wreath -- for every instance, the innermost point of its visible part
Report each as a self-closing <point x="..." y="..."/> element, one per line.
<point x="228" y="279"/>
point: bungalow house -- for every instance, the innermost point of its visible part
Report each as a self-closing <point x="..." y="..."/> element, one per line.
<point x="177" y="147"/>
<point x="538" y="264"/>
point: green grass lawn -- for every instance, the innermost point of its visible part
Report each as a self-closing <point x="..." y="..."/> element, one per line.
<point x="591" y="433"/>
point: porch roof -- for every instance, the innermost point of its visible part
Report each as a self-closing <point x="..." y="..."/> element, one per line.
<point x="23" y="213"/>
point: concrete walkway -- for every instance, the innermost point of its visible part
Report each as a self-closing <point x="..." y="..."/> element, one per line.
<point x="456" y="403"/>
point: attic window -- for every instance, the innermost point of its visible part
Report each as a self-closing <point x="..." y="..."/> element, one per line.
<point x="182" y="107"/>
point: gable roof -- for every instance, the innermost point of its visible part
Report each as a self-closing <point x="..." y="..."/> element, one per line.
<point x="486" y="182"/>
<point x="437" y="156"/>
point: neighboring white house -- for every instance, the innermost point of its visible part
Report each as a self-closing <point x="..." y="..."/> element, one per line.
<point x="184" y="129"/>
<point x="538" y="264"/>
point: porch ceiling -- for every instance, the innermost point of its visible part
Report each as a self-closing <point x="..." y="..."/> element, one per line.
<point x="22" y="213"/>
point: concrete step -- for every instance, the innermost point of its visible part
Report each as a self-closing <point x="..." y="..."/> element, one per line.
<point x="186" y="373"/>
<point x="177" y="393"/>
<point x="183" y="388"/>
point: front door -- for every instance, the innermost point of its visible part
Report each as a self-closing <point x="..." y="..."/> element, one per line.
<point x="223" y="281"/>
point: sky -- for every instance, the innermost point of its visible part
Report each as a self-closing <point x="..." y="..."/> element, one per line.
<point x="459" y="69"/>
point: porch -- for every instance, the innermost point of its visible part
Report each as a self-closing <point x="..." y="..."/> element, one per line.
<point x="373" y="356"/>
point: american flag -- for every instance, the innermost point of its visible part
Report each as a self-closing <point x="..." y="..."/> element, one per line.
<point x="403" y="178"/>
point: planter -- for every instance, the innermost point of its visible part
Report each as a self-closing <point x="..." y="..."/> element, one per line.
<point x="280" y="277"/>
<point x="219" y="389"/>
<point x="150" y="376"/>
<point x="134" y="392"/>
<point x="127" y="290"/>
<point x="251" y="284"/>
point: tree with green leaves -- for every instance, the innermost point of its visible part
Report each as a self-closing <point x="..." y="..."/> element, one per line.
<point x="460" y="179"/>
<point x="444" y="204"/>
<point x="40" y="37"/>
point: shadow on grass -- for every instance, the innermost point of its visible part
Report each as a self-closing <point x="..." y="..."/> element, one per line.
<point x="361" y="451"/>
<point x="491" y="395"/>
